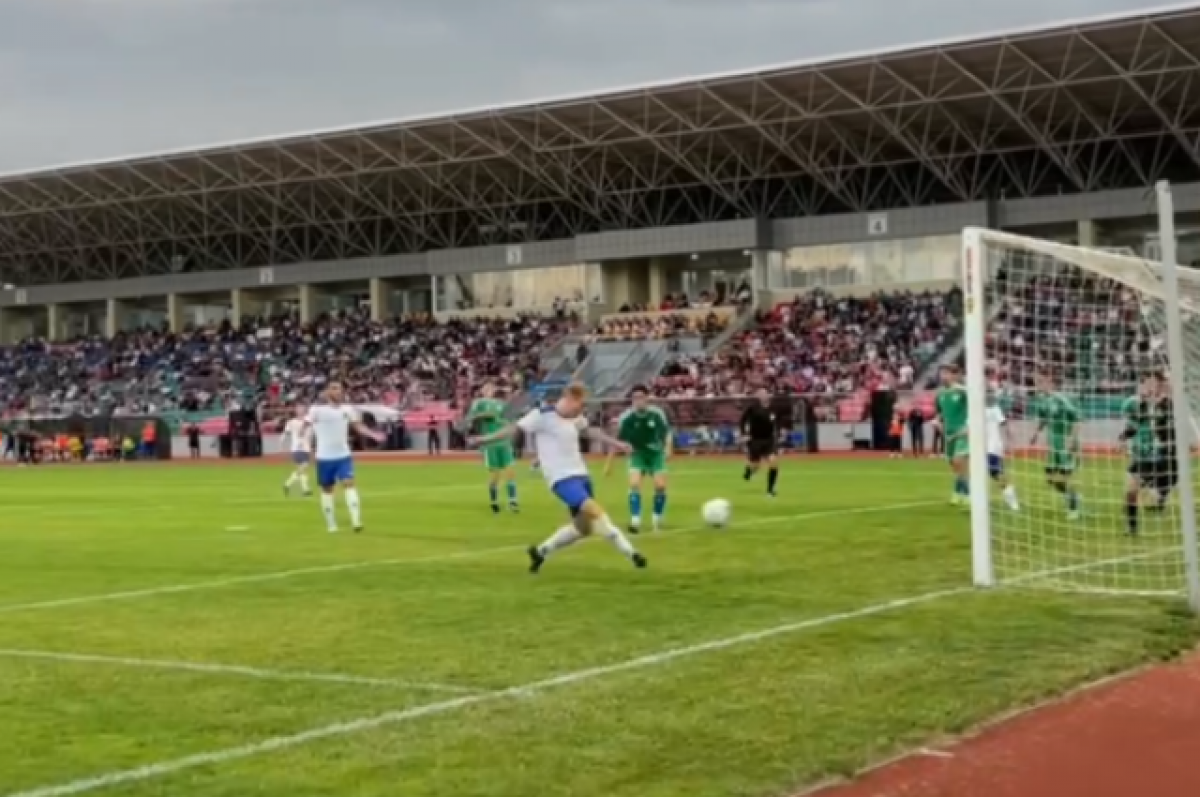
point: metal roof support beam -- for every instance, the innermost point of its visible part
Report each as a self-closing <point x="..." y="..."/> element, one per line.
<point x="1151" y="101"/>
<point x="805" y="159"/>
<point x="919" y="151"/>
<point x="1069" y="169"/>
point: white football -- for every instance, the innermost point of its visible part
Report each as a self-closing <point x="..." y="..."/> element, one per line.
<point x="716" y="512"/>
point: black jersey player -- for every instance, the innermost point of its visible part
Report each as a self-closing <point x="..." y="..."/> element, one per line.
<point x="760" y="431"/>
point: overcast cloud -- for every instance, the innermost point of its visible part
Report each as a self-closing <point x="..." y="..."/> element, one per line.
<point x="90" y="79"/>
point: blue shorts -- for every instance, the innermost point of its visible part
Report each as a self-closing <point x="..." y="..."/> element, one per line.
<point x="573" y="491"/>
<point x="995" y="466"/>
<point x="300" y="457"/>
<point x="331" y="472"/>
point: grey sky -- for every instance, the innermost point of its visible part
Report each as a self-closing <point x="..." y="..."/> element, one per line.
<point x="89" y="79"/>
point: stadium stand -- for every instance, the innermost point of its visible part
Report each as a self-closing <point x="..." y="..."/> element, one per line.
<point x="839" y="348"/>
<point x="274" y="362"/>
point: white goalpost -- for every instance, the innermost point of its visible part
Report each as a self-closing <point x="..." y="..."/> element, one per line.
<point x="1076" y="348"/>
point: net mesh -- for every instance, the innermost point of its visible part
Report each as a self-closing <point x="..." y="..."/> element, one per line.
<point x="1088" y="327"/>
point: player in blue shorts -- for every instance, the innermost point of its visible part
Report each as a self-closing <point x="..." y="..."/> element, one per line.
<point x="556" y="432"/>
<point x="298" y="438"/>
<point x="331" y="424"/>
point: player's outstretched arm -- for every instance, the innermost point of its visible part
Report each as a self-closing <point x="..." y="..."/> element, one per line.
<point x="360" y="428"/>
<point x="505" y="433"/>
<point x="604" y="438"/>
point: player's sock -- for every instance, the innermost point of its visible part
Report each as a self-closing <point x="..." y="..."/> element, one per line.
<point x="1072" y="500"/>
<point x="748" y="473"/>
<point x="608" y="531"/>
<point x="960" y="487"/>
<point x="355" y="507"/>
<point x="304" y="484"/>
<point x="772" y="477"/>
<point x="494" y="497"/>
<point x="511" y="488"/>
<point x="1131" y="513"/>
<point x="635" y="508"/>
<point x="565" y="536"/>
<point x="1010" y="497"/>
<point x="660" y="506"/>
<point x="327" y="509"/>
<point x="290" y="481"/>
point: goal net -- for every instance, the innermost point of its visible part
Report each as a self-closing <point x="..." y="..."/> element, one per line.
<point x="1068" y="345"/>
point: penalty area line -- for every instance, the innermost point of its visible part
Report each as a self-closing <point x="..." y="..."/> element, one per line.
<point x="232" y="669"/>
<point x="532" y="689"/>
<point x="280" y="575"/>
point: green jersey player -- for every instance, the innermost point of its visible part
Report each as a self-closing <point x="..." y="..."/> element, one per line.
<point x="1150" y="435"/>
<point x="648" y="432"/>
<point x="1058" y="415"/>
<point x="485" y="417"/>
<point x="951" y="405"/>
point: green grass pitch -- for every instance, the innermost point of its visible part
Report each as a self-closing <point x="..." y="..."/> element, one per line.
<point x="188" y="631"/>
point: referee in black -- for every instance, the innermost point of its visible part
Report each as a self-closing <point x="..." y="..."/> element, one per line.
<point x="760" y="430"/>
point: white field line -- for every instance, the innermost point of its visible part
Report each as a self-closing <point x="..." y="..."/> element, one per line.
<point x="231" y="669"/>
<point x="531" y="689"/>
<point x="280" y="575"/>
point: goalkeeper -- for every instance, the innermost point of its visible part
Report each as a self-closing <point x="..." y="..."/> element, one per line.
<point x="1059" y="417"/>
<point x="1150" y="435"/>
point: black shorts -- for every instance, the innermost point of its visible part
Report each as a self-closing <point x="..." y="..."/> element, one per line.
<point x="758" y="450"/>
<point x="1159" y="473"/>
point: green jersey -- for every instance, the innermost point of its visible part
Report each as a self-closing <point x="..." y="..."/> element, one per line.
<point x="951" y="406"/>
<point x="1059" y="415"/>
<point x="487" y="415"/>
<point x="646" y="431"/>
<point x="1149" y="428"/>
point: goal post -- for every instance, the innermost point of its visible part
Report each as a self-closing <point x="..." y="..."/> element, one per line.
<point x="1074" y="348"/>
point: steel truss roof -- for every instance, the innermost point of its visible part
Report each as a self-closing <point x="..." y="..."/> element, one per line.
<point x="1108" y="104"/>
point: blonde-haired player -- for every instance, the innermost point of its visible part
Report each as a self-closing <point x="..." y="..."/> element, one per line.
<point x="996" y="439"/>
<point x="298" y="437"/>
<point x="556" y="431"/>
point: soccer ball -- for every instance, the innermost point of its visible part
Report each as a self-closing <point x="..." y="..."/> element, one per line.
<point x="716" y="512"/>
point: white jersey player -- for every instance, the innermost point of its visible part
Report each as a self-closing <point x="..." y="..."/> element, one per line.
<point x="555" y="432"/>
<point x="331" y="424"/>
<point x="996" y="436"/>
<point x="297" y="436"/>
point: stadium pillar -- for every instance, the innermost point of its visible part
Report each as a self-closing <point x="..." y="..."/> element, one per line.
<point x="381" y="300"/>
<point x="308" y="303"/>
<point x="113" y="317"/>
<point x="237" y="305"/>
<point x="175" y="312"/>
<point x="1086" y="233"/>
<point x="54" y="322"/>
<point x="658" y="281"/>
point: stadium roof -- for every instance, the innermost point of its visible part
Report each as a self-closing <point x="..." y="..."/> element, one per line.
<point x="1104" y="103"/>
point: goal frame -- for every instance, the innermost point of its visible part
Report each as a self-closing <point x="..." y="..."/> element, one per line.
<point x="1162" y="282"/>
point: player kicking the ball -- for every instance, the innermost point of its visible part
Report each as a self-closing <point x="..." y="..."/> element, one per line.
<point x="299" y="441"/>
<point x="997" y="442"/>
<point x="557" y="430"/>
<point x="1059" y="416"/>
<point x="487" y="412"/>
<point x="951" y="404"/>
<point x="331" y="424"/>
<point x="648" y="432"/>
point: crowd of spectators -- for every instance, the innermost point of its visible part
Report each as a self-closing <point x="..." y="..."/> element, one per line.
<point x="822" y="344"/>
<point x="676" y="316"/>
<point x="272" y="362"/>
<point x="1090" y="332"/>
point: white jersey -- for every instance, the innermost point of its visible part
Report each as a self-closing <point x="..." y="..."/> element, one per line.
<point x="331" y="426"/>
<point x="995" y="421"/>
<point x="556" y="443"/>
<point x="298" y="435"/>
